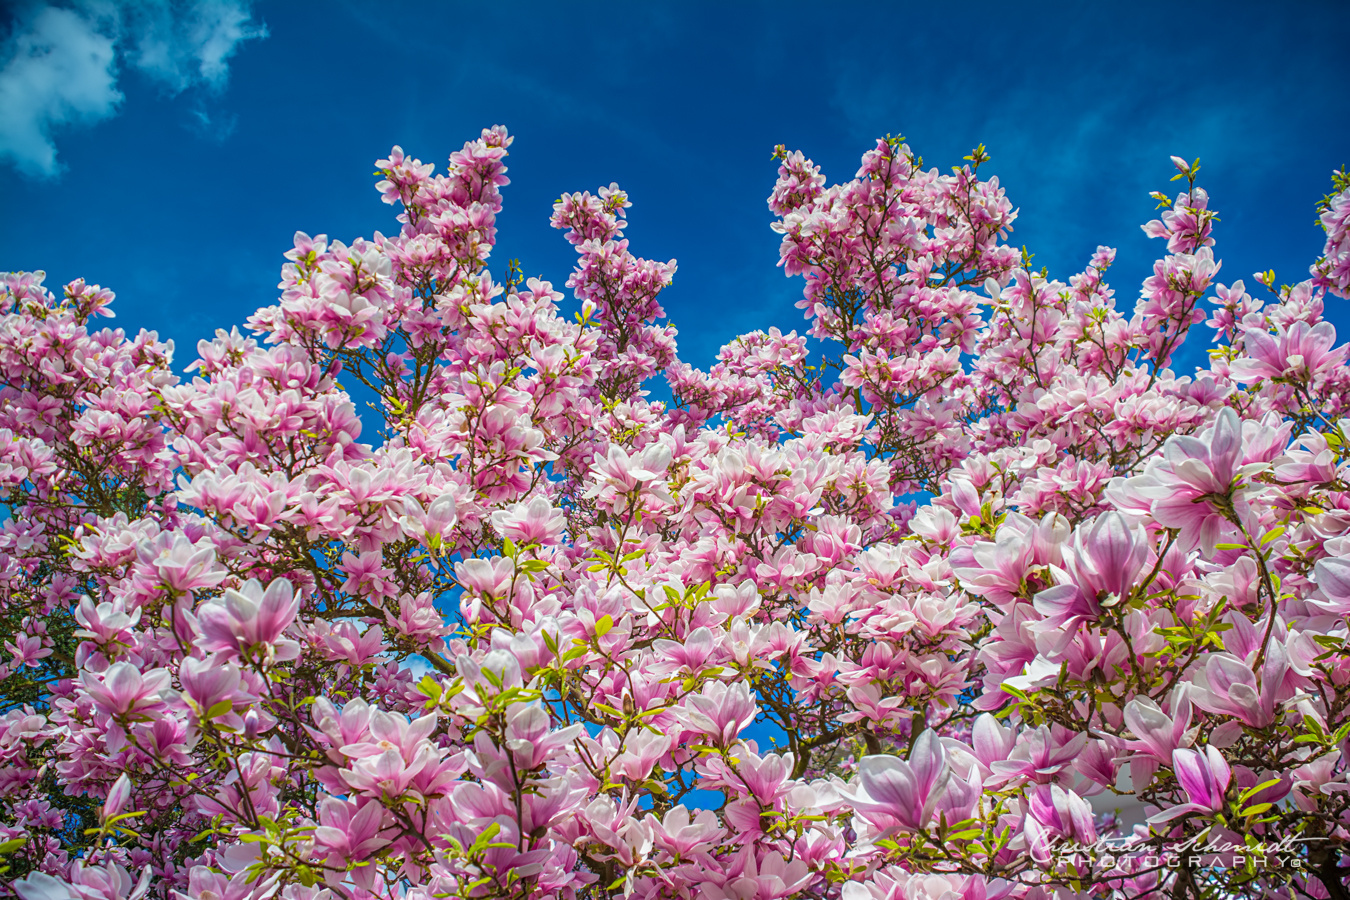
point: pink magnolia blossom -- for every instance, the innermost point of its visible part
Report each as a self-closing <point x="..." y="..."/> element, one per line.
<point x="1204" y="777"/>
<point x="242" y="621"/>
<point x="1333" y="583"/>
<point x="107" y="882"/>
<point x="722" y="710"/>
<point x="1332" y="271"/>
<point x="1157" y="734"/>
<point x="1227" y="685"/>
<point x="1196" y="485"/>
<point x="1104" y="561"/>
<point x="897" y="793"/>
<point x="1299" y="352"/>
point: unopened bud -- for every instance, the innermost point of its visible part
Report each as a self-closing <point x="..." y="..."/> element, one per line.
<point x="118" y="796"/>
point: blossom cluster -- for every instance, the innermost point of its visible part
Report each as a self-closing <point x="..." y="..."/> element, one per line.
<point x="897" y="608"/>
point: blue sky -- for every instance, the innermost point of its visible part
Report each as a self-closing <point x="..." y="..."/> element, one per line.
<point x="169" y="150"/>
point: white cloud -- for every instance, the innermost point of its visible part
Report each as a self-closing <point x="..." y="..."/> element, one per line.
<point x="59" y="72"/>
<point x="59" y="67"/>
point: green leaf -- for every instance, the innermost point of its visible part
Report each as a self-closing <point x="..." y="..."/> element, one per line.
<point x="219" y="709"/>
<point x="483" y="840"/>
<point x="430" y="686"/>
<point x="1252" y="791"/>
<point x="1314" y="726"/>
<point x="126" y="815"/>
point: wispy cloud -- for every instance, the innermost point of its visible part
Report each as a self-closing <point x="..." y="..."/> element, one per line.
<point x="187" y="44"/>
<point x="216" y="127"/>
<point x="60" y="65"/>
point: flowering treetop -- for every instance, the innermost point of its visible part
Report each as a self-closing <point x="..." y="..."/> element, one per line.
<point x="527" y="633"/>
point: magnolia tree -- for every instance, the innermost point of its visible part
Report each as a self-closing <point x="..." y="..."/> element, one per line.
<point x="902" y="608"/>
